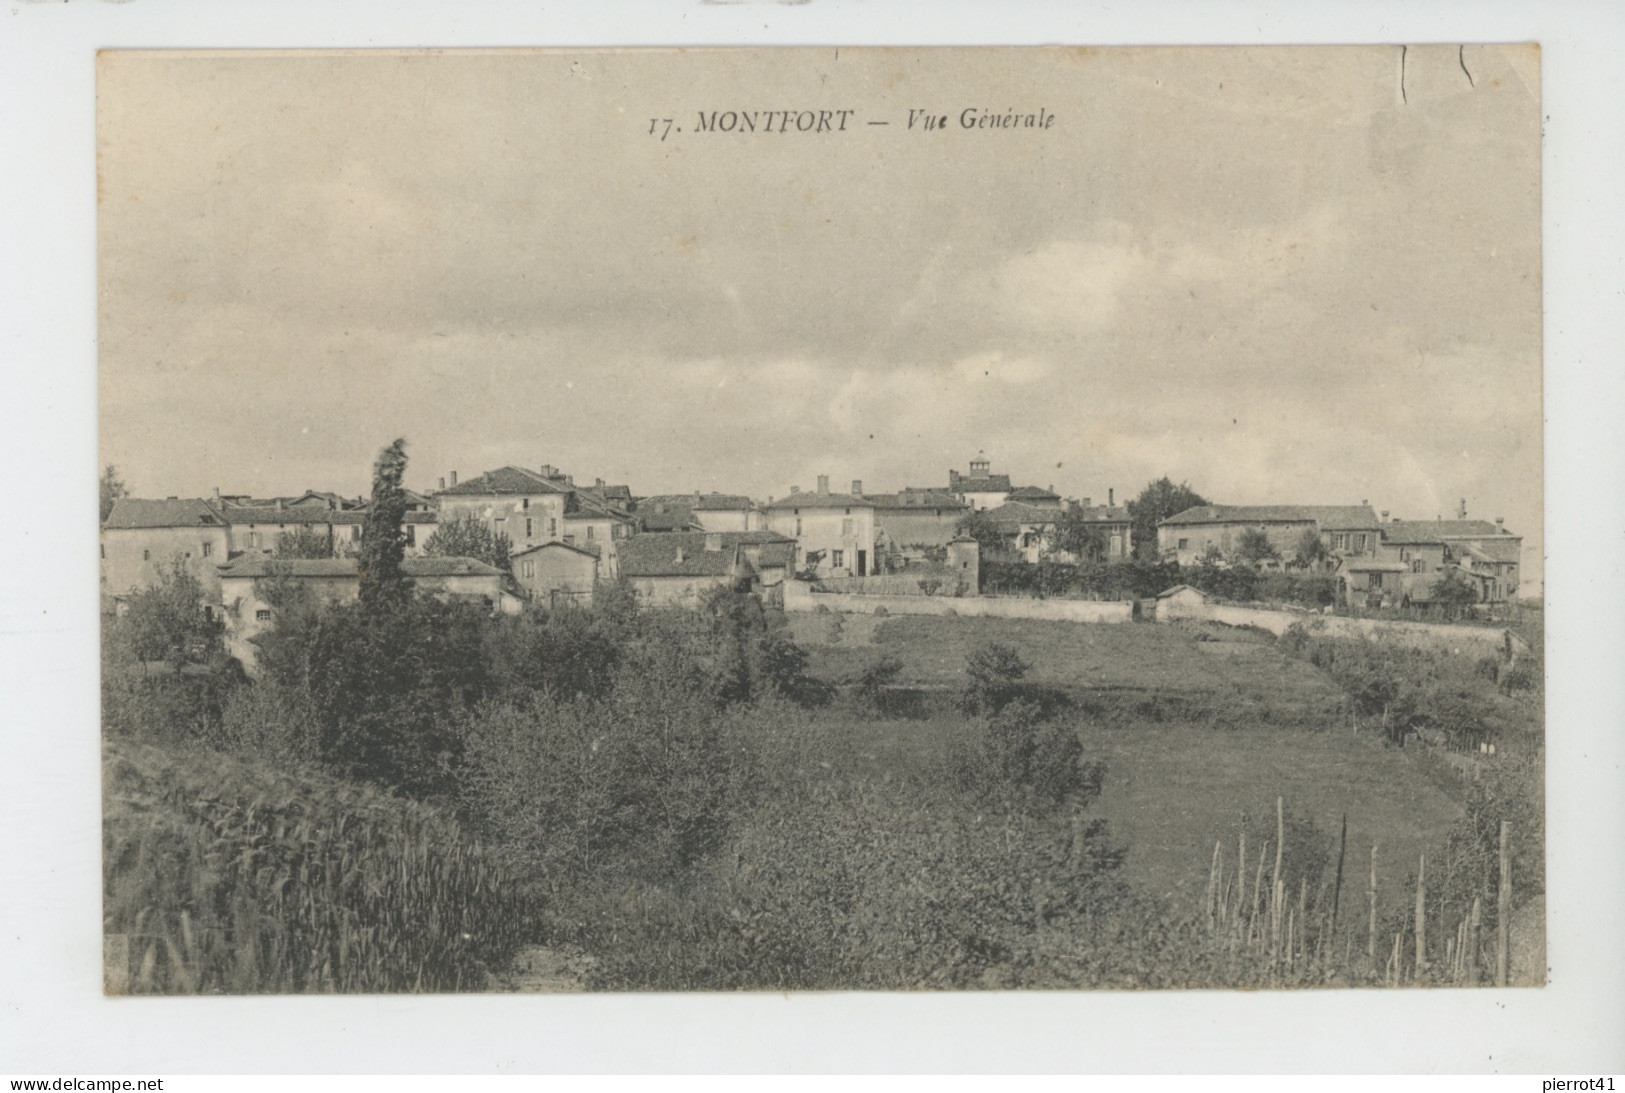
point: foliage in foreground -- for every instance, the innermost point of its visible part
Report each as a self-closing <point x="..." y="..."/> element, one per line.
<point x="228" y="878"/>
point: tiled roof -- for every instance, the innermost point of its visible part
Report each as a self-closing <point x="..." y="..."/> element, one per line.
<point x="1501" y="548"/>
<point x="255" y="565"/>
<point x="993" y="483"/>
<point x="1326" y="516"/>
<point x="814" y="500"/>
<point x="1105" y="514"/>
<point x="658" y="555"/>
<point x="1033" y="493"/>
<point x="262" y="514"/>
<point x="911" y="498"/>
<point x="1439" y="531"/>
<point x="1016" y="513"/>
<point x="505" y="480"/>
<point x="591" y="550"/>
<point x="721" y="502"/>
<point x="665" y="522"/>
<point x="131" y="512"/>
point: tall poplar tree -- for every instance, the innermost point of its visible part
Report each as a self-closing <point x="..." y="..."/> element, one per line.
<point x="383" y="543"/>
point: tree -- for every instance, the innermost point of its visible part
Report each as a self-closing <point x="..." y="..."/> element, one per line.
<point x="1454" y="591"/>
<point x="467" y="536"/>
<point x="993" y="674"/>
<point x="383" y="544"/>
<point x="980" y="525"/>
<point x="167" y="621"/>
<point x="112" y="489"/>
<point x="1077" y="535"/>
<point x="1158" y="501"/>
<point x="305" y="542"/>
<point x="1253" y="546"/>
<point x="1310" y="549"/>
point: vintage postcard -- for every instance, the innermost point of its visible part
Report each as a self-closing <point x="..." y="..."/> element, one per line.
<point x="821" y="519"/>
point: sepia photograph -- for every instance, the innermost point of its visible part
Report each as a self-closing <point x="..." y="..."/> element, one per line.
<point x="821" y="519"/>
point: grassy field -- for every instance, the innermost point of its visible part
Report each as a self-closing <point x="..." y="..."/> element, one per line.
<point x="1248" y="724"/>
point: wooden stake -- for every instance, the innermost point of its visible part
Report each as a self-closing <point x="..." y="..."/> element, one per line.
<point x="1474" y="922"/>
<point x="1337" y="884"/>
<point x="1503" y="909"/>
<point x="1421" y="914"/>
<point x="1371" y="898"/>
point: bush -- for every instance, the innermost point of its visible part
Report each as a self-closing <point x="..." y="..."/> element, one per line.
<point x="993" y="673"/>
<point x="878" y="675"/>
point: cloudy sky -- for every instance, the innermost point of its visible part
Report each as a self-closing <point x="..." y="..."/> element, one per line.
<point x="1285" y="275"/>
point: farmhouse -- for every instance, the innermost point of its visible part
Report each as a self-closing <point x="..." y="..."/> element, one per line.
<point x="1486" y="553"/>
<point x="1191" y="536"/>
<point x="837" y="528"/>
<point x="143" y="539"/>
<point x="913" y="521"/>
<point x="680" y="568"/>
<point x="557" y="573"/>
<point x="526" y="506"/>
<point x="245" y="589"/>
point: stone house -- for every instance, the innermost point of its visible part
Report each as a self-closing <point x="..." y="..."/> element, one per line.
<point x="1345" y="530"/>
<point x="526" y="506"/>
<point x="142" y="539"/>
<point x="1485" y="552"/>
<point x="337" y="580"/>
<point x="838" y="527"/>
<point x="256" y="528"/>
<point x="678" y="569"/>
<point x="913" y="522"/>
<point x="557" y="573"/>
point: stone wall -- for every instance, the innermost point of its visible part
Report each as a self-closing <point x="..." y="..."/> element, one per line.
<point x="798" y="596"/>
<point x="1421" y="634"/>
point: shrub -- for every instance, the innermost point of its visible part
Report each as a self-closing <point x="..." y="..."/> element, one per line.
<point x="878" y="675"/>
<point x="993" y="673"/>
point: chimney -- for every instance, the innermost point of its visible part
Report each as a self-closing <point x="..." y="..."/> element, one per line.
<point x="713" y="542"/>
<point x="1088" y="502"/>
<point x="1111" y="497"/>
<point x="569" y="480"/>
<point x="279" y="504"/>
<point x="857" y="487"/>
<point x="823" y="484"/>
<point x="1385" y="516"/>
<point x="217" y="493"/>
<point x="453" y="478"/>
<point x="1365" y="503"/>
<point x="1500" y="523"/>
<point x="1461" y="509"/>
<point x="442" y="482"/>
<point x="679" y="556"/>
<point x="953" y="478"/>
<point x="599" y="483"/>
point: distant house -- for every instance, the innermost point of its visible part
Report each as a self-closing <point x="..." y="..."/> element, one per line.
<point x="726" y="512"/>
<point x="839" y="528"/>
<point x="1171" y="600"/>
<point x="1486" y="553"/>
<point x="142" y="539"/>
<point x="1345" y="530"/>
<point x="590" y="523"/>
<point x="916" y="519"/>
<point x="558" y="573"/>
<point x="255" y="529"/>
<point x="681" y="568"/>
<point x="526" y="506"/>
<point x="981" y="489"/>
<point x="337" y="580"/>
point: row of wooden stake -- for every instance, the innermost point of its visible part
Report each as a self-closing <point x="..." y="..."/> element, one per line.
<point x="1259" y="919"/>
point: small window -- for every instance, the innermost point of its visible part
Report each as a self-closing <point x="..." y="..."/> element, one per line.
<point x="846" y="526"/>
<point x="525" y="504"/>
<point x="1416" y="565"/>
<point x="798" y="526"/>
<point x="1184" y="544"/>
<point x="569" y="540"/>
<point x="104" y="550"/>
<point x="837" y="558"/>
<point x="208" y="549"/>
<point x="1375" y="582"/>
<point x="589" y="532"/>
<point x="262" y="615"/>
<point x="552" y="527"/>
<point x="355" y="533"/>
<point x="146" y="555"/>
<point x="411" y="534"/>
<point x="530" y="526"/>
